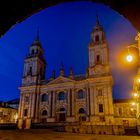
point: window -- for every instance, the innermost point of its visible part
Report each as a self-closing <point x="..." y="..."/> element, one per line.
<point x="98" y="58"/>
<point x="25" y="112"/>
<point x="96" y="38"/>
<point x="30" y="70"/>
<point x="62" y="109"/>
<point x="100" y="107"/>
<point x="44" y="98"/>
<point x="82" y="116"/>
<point x="61" y="96"/>
<point x="100" y="92"/>
<point x="44" y="113"/>
<point x="33" y="51"/>
<point x="80" y="94"/>
<point x="26" y="98"/>
<point x="120" y="111"/>
<point x="81" y="111"/>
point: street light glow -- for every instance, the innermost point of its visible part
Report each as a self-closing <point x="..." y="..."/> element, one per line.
<point x="129" y="58"/>
<point x="133" y="103"/>
<point x="135" y="94"/>
<point x="139" y="80"/>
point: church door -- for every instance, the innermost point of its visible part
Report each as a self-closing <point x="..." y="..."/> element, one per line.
<point x="62" y="117"/>
<point x="24" y="124"/>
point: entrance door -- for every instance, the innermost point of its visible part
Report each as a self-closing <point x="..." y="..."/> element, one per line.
<point x="62" y="117"/>
<point x="24" y="124"/>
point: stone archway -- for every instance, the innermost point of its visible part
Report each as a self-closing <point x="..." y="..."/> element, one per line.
<point x="17" y="11"/>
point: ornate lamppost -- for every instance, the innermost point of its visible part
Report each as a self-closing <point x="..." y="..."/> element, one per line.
<point x="136" y="84"/>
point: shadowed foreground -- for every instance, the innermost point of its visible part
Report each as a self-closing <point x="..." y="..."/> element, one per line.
<point x="49" y="135"/>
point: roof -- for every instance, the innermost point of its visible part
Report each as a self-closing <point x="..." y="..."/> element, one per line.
<point x="13" y="101"/>
<point x="122" y="100"/>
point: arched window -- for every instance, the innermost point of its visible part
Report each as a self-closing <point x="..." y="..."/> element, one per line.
<point x="98" y="59"/>
<point x="96" y="38"/>
<point x="62" y="109"/>
<point x="33" y="51"/>
<point x="30" y="71"/>
<point x="81" y="111"/>
<point x="82" y="114"/>
<point x="80" y="94"/>
<point x="100" y="108"/>
<point x="44" y="97"/>
<point x="120" y="111"/>
<point x="36" y="51"/>
<point x="44" y="113"/>
<point x="61" y="96"/>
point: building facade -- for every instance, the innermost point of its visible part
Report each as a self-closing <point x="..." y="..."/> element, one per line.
<point x="85" y="99"/>
<point x="7" y="114"/>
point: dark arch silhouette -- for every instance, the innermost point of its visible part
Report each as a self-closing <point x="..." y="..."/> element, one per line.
<point x="44" y="113"/>
<point x="16" y="11"/>
<point x="81" y="111"/>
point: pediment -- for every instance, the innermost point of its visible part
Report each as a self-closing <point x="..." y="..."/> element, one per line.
<point x="60" y="80"/>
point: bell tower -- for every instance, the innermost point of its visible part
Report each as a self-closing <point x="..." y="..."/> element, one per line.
<point x="34" y="64"/>
<point x="98" y="51"/>
<point x="34" y="72"/>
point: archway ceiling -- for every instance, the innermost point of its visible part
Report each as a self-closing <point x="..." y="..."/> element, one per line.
<point x="13" y="11"/>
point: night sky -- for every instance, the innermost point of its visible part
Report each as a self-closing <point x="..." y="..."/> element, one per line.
<point x="65" y="33"/>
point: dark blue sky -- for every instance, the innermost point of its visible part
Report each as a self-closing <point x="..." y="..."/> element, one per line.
<point x="65" y="33"/>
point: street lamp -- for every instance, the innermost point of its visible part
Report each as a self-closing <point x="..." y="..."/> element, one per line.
<point x="129" y="57"/>
<point x="136" y="86"/>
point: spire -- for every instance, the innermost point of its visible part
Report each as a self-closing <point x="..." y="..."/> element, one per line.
<point x="53" y="74"/>
<point x="97" y="20"/>
<point x="97" y="26"/>
<point x="37" y="35"/>
<point x="71" y="75"/>
<point x="37" y="40"/>
<point x="62" y="70"/>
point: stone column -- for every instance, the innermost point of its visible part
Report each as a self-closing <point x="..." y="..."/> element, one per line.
<point x="92" y="102"/>
<point x="87" y="101"/>
<point x="33" y="105"/>
<point x="68" y="103"/>
<point x="73" y="103"/>
<point x="20" y="106"/>
<point x="110" y="100"/>
<point x="37" y="107"/>
<point x="54" y="104"/>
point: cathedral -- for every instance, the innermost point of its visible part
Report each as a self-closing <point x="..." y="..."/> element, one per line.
<point x="81" y="103"/>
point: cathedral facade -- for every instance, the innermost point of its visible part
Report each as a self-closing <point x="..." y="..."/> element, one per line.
<point x="85" y="99"/>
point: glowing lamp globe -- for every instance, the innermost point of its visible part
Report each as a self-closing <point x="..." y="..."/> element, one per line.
<point x="129" y="58"/>
<point x="139" y="80"/>
<point x="135" y="94"/>
<point x="133" y="104"/>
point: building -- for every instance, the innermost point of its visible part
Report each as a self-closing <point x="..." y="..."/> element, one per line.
<point x="7" y="114"/>
<point x="81" y="100"/>
<point x="14" y="103"/>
